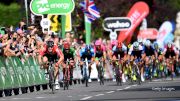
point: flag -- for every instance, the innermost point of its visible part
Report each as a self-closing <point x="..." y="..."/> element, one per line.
<point x="90" y="10"/>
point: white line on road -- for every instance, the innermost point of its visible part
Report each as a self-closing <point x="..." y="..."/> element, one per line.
<point x="165" y="82"/>
<point x="69" y="96"/>
<point x="20" y="98"/>
<point x="39" y="97"/>
<point x="134" y="85"/>
<point x="99" y="94"/>
<point x="86" y="98"/>
<point x="119" y="89"/>
<point x="127" y="87"/>
<point x="110" y="92"/>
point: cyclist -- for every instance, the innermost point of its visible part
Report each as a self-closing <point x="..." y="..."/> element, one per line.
<point x="171" y="53"/>
<point x="159" y="58"/>
<point x="50" y="53"/>
<point x="87" y="52"/>
<point x="69" y="55"/>
<point x="158" y="50"/>
<point x="119" y="50"/>
<point x="135" y="53"/>
<point x="149" y="56"/>
<point x="100" y="53"/>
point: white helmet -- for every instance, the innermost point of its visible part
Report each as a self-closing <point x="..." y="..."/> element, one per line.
<point x="148" y="43"/>
<point x="136" y="45"/>
<point x="140" y="40"/>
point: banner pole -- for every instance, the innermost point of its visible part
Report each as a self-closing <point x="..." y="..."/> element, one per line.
<point x="87" y="30"/>
<point x="63" y="21"/>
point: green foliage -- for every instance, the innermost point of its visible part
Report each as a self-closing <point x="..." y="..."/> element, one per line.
<point x="10" y="15"/>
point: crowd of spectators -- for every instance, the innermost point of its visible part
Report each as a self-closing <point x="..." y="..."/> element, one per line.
<point x="24" y="41"/>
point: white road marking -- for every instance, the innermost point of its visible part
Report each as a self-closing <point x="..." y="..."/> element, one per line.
<point x="69" y="96"/>
<point x="134" y="85"/>
<point x="127" y="87"/>
<point x="99" y="94"/>
<point x="119" y="89"/>
<point x="110" y="92"/>
<point x="40" y="97"/>
<point x="2" y="99"/>
<point x="20" y="98"/>
<point x="165" y="82"/>
<point x="86" y="98"/>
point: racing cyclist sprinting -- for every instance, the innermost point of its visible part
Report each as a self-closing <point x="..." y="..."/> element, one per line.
<point x="100" y="53"/>
<point x="87" y="52"/>
<point x="49" y="53"/>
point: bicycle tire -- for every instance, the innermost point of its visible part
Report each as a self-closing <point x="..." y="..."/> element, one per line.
<point x="101" y="77"/>
<point x="51" y="79"/>
<point x="137" y="73"/>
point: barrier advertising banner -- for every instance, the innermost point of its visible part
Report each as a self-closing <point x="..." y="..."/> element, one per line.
<point x="149" y="33"/>
<point x="137" y="13"/>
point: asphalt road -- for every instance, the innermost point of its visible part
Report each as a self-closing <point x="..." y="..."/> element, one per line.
<point x="157" y="90"/>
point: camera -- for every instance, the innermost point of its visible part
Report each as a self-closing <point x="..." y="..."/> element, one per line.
<point x="24" y="27"/>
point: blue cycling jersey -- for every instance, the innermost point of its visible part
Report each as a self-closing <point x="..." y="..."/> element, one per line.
<point x="85" y="54"/>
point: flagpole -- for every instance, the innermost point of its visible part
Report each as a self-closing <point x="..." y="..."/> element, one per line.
<point x="87" y="30"/>
<point x="63" y="21"/>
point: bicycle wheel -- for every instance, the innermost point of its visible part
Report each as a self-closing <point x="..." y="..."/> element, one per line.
<point x="66" y="85"/>
<point x="51" y="79"/>
<point x="85" y="77"/>
<point x="66" y="81"/>
<point x="137" y="74"/>
<point x="101" y="77"/>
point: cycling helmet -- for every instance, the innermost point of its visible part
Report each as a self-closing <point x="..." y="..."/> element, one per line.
<point x="148" y="43"/>
<point x="140" y="40"/>
<point x="169" y="44"/>
<point x="87" y="47"/>
<point x="136" y="45"/>
<point x="66" y="45"/>
<point x="50" y="43"/>
<point x="120" y="44"/>
<point x="156" y="45"/>
<point x="98" y="42"/>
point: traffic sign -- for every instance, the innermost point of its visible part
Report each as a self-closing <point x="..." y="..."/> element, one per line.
<point x="45" y="23"/>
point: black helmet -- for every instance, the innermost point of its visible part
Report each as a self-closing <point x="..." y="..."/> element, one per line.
<point x="50" y="43"/>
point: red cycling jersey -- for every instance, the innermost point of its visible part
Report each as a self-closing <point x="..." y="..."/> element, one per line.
<point x="55" y="50"/>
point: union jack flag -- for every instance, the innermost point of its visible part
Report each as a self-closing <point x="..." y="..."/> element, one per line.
<point x="90" y="10"/>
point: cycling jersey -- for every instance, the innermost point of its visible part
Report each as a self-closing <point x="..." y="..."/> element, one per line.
<point x="85" y="54"/>
<point x="120" y="52"/>
<point x="159" y="51"/>
<point x="56" y="53"/>
<point x="136" y="53"/>
<point x="68" y="55"/>
<point x="170" y="51"/>
<point x="99" y="52"/>
<point x="148" y="51"/>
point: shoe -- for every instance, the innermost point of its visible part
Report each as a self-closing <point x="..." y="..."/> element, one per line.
<point x="46" y="75"/>
<point x="89" y="80"/>
<point x="98" y="80"/>
<point x="57" y="87"/>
